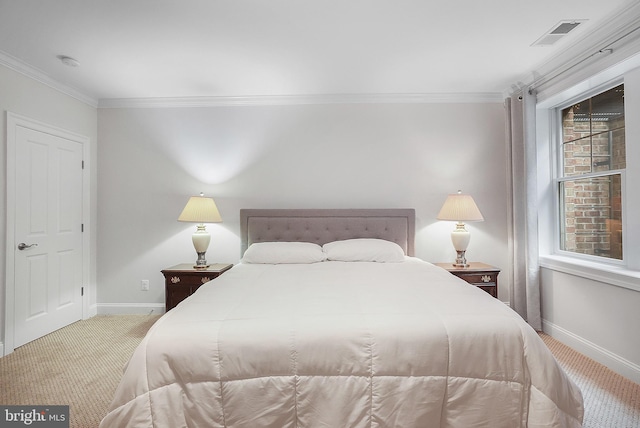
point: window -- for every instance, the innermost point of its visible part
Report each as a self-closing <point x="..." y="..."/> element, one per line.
<point x="593" y="163"/>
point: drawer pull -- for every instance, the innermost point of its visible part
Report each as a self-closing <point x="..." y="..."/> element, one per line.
<point x="175" y="279"/>
<point x="205" y="279"/>
<point x="486" y="278"/>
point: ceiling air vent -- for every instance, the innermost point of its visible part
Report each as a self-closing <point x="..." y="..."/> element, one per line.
<point x="558" y="31"/>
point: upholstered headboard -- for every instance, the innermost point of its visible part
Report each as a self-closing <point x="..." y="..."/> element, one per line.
<point x="327" y="225"/>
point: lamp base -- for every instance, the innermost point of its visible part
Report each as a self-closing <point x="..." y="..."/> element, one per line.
<point x="201" y="263"/>
<point x="460" y="237"/>
<point x="201" y="240"/>
<point x="461" y="260"/>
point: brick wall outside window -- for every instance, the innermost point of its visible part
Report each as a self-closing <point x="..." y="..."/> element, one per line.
<point x="593" y="141"/>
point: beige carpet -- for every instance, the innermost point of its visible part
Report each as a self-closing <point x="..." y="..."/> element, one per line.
<point x="610" y="399"/>
<point x="81" y="365"/>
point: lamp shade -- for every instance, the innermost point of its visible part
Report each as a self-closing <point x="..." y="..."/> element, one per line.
<point x="200" y="209"/>
<point x="460" y="207"/>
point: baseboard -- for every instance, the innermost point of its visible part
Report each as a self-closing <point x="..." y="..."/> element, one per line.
<point x="605" y="357"/>
<point x="1" y="349"/>
<point x="129" y="308"/>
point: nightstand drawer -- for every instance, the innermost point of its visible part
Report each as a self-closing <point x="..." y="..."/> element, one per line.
<point x="184" y="280"/>
<point x="486" y="279"/>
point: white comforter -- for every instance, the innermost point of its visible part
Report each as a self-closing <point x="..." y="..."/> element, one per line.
<point x="337" y="345"/>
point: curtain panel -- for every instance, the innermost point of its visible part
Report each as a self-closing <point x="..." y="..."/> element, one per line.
<point x="520" y="110"/>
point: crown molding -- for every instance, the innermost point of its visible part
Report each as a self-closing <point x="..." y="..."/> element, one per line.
<point x="257" y="100"/>
<point x="271" y="100"/>
<point x="25" y="69"/>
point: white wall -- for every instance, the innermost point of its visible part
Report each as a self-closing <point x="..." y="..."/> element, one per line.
<point x="307" y="156"/>
<point x="598" y="319"/>
<point x="24" y="96"/>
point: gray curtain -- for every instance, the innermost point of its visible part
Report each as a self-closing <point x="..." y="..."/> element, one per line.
<point x="520" y="111"/>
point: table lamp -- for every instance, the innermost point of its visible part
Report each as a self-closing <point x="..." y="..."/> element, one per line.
<point x="200" y="210"/>
<point x="460" y="208"/>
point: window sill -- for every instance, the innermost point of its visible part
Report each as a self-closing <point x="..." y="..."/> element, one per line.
<point x="613" y="275"/>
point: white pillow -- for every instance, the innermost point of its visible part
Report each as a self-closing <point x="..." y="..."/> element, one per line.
<point x="283" y="252"/>
<point x="364" y="250"/>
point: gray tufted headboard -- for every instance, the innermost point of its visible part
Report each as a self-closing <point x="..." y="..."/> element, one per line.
<point x="327" y="225"/>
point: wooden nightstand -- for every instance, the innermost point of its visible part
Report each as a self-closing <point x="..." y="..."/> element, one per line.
<point x="479" y="274"/>
<point x="181" y="281"/>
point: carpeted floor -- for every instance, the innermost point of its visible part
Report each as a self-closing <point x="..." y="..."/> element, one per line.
<point x="81" y="365"/>
<point x="611" y="401"/>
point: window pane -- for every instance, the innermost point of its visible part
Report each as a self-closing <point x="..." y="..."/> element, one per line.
<point x="591" y="213"/>
<point x="593" y="134"/>
<point x="575" y="121"/>
<point x="618" y="149"/>
<point x="607" y="110"/>
<point x="577" y="157"/>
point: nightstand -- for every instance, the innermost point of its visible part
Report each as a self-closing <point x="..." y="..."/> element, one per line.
<point x="479" y="274"/>
<point x="182" y="280"/>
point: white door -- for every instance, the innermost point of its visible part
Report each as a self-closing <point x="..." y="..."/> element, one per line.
<point x="48" y="253"/>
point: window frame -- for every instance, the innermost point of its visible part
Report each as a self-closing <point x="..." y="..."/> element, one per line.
<point x="558" y="176"/>
<point x="558" y="198"/>
<point x="626" y="273"/>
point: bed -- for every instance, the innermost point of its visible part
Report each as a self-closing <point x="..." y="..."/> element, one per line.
<point x="330" y="321"/>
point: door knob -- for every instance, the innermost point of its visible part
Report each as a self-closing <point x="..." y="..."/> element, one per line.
<point x="23" y="246"/>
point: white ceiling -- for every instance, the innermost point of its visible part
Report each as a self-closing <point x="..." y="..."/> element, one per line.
<point x="251" y="48"/>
